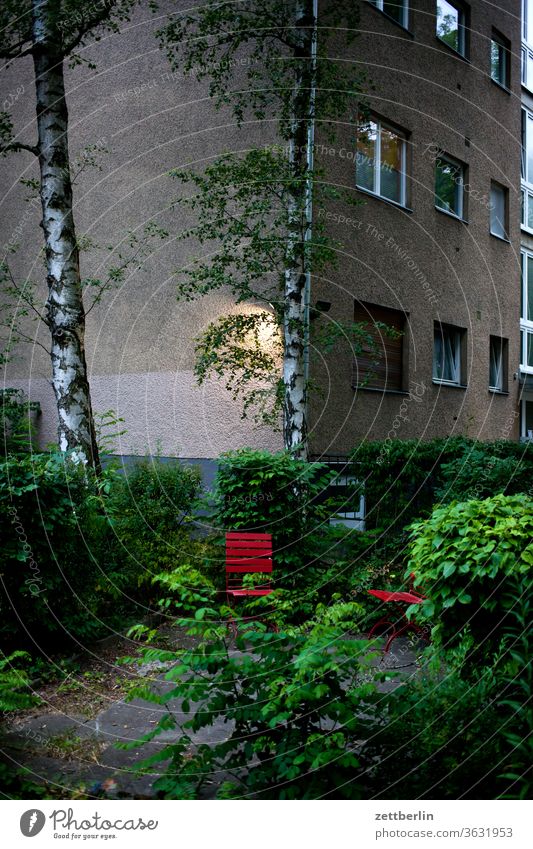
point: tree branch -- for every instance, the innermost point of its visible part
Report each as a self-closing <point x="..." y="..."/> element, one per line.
<point x="16" y="146"/>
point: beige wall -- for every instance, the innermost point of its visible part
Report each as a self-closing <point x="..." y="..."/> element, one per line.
<point x="140" y="347"/>
<point x="440" y="100"/>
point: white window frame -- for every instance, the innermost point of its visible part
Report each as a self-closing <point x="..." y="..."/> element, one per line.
<point x="526" y="184"/>
<point x="349" y="518"/>
<point x="441" y="330"/>
<point x="451" y="161"/>
<point x="500" y="363"/>
<point x="377" y="163"/>
<point x="405" y="11"/>
<point x="526" y="325"/>
<point x="526" y="62"/>
<point x="461" y="24"/>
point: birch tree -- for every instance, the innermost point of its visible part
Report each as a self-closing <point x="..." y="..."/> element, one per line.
<point x="261" y="207"/>
<point x="52" y="32"/>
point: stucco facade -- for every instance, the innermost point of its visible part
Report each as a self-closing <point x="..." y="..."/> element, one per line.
<point x="415" y="258"/>
<point x="409" y="257"/>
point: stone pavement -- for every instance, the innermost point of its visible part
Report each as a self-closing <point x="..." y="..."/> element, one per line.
<point x="69" y="751"/>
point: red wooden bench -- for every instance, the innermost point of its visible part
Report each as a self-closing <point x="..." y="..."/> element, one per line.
<point x="246" y="554"/>
<point x="399" y="624"/>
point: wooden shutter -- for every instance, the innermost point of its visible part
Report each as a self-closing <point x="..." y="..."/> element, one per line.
<point x="379" y="366"/>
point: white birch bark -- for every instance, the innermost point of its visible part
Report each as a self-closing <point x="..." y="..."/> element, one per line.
<point x="64" y="307"/>
<point x="294" y="321"/>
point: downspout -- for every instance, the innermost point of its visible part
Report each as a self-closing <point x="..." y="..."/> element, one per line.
<point x="309" y="197"/>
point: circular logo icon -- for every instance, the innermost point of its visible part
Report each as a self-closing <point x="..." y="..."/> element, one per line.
<point x="32" y="822"/>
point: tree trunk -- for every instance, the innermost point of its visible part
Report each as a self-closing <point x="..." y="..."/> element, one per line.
<point x="65" y="312"/>
<point x="295" y="314"/>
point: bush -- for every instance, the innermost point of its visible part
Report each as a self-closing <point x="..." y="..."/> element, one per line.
<point x="487" y="469"/>
<point x="295" y="703"/>
<point x="436" y="738"/>
<point x="48" y="577"/>
<point x="15" y="421"/>
<point x="405" y="479"/>
<point x="463" y="557"/>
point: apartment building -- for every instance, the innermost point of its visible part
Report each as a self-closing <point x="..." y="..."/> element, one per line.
<point x="432" y="248"/>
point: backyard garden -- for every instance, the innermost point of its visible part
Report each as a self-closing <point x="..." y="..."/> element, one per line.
<point x="125" y="672"/>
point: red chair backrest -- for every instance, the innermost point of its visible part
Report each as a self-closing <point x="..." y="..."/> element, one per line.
<point x="247" y="552"/>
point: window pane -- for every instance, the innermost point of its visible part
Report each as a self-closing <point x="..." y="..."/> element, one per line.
<point x="529" y="70"/>
<point x="529" y="219"/>
<point x="446" y="353"/>
<point x="394" y="8"/>
<point x="448" y="186"/>
<point x="529" y="149"/>
<point x="496" y="64"/>
<point x="529" y="349"/>
<point x="498" y="211"/>
<point x="448" y="24"/>
<point x="391" y="165"/>
<point x="366" y="155"/>
<point x="528" y="306"/>
<point x="496" y="364"/>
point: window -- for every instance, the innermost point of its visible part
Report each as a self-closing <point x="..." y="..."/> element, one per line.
<point x="380" y="161"/>
<point x="500" y="59"/>
<point x="379" y="365"/>
<point x="347" y="494"/>
<point x="451" y="26"/>
<point x="498" y="364"/>
<point x="398" y="10"/>
<point x="526" y="315"/>
<point x="527" y="21"/>
<point x="527" y="170"/>
<point x="499" y="204"/>
<point x="527" y="68"/>
<point x="449" y="183"/>
<point x="526" y="423"/>
<point x="447" y="354"/>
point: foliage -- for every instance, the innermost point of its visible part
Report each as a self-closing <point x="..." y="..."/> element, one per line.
<point x="188" y="588"/>
<point x="436" y="737"/>
<point x="463" y="556"/>
<point x="253" y="210"/>
<point x="401" y="478"/>
<point x="154" y="498"/>
<point x="14" y="683"/>
<point x="486" y="469"/>
<point x="15" y="421"/>
<point x="515" y="676"/>
<point x="294" y="702"/>
<point x="277" y="494"/>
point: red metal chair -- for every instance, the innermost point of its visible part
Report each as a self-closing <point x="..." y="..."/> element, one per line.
<point x="246" y="554"/>
<point x="401" y="624"/>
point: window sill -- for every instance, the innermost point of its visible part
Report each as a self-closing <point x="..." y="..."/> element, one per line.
<point x="448" y="384"/>
<point x="500" y="238"/>
<point x="500" y="86"/>
<point x="498" y="391"/>
<point x="406" y="30"/>
<point x="384" y="199"/>
<point x="451" y="215"/>
<point x="452" y="50"/>
<point x="381" y="391"/>
<point x="526" y="229"/>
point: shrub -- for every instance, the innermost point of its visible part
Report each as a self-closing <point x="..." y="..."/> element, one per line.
<point x="15" y="421"/>
<point x="463" y="556"/>
<point x="436" y="738"/>
<point x="277" y="494"/>
<point x="487" y="469"/>
<point x="15" y="693"/>
<point x="295" y="703"/>
<point x="47" y="573"/>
